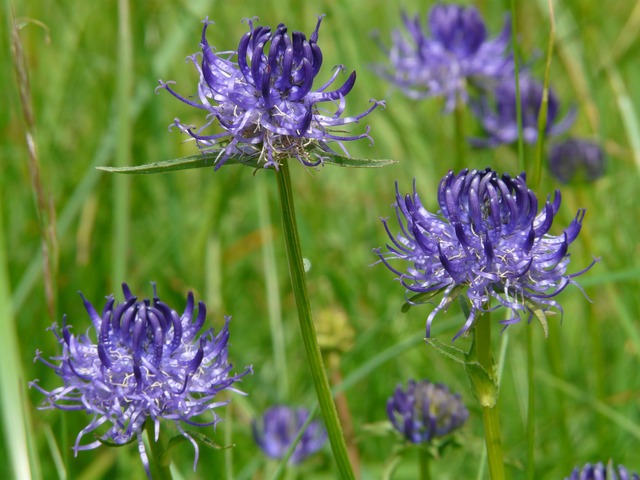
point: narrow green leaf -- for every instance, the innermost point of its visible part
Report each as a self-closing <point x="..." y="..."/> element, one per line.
<point x="200" y="160"/>
<point x="342" y="161"/>
<point x="209" y="159"/>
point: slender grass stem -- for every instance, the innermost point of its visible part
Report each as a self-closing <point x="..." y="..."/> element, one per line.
<point x="536" y="173"/>
<point x="314" y="356"/>
<point x="514" y="40"/>
<point x="492" y="436"/>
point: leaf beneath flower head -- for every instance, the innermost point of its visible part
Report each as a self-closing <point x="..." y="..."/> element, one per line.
<point x="209" y="159"/>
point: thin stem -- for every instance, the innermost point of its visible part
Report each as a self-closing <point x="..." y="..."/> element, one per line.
<point x="516" y="62"/>
<point x="531" y="408"/>
<point x="314" y="357"/>
<point x="159" y="470"/>
<point x="536" y="173"/>
<point x="423" y="459"/>
<point x="492" y="437"/>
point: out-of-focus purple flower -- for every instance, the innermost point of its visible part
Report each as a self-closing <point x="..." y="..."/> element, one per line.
<point x="276" y="430"/>
<point x="576" y="159"/>
<point x="498" y="116"/>
<point x="600" y="472"/>
<point x="263" y="100"/>
<point x="488" y="241"/>
<point x="457" y="55"/>
<point x="425" y="410"/>
<point x="147" y="364"/>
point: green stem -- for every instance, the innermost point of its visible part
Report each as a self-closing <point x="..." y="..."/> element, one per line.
<point x="314" y="357"/>
<point x="492" y="437"/>
<point x="514" y="41"/>
<point x="531" y="408"/>
<point x="159" y="468"/>
<point x="536" y="174"/>
<point x="423" y="458"/>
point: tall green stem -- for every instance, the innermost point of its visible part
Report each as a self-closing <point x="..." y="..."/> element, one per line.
<point x="492" y="437"/>
<point x="514" y="40"/>
<point x="423" y="459"/>
<point x="159" y="469"/>
<point x="531" y="409"/>
<point x="314" y="356"/>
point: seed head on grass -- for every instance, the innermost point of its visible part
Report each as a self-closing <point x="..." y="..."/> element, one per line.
<point x="262" y="99"/>
<point x="148" y="363"/>
<point x="602" y="472"/>
<point x="276" y="430"/>
<point x="488" y="241"/>
<point x="425" y="411"/>
<point x="458" y="54"/>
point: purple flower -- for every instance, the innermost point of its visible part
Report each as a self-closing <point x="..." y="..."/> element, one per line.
<point x="600" y="472"/>
<point x="264" y="100"/>
<point x="498" y="116"/>
<point x="576" y="159"/>
<point x="425" y="410"/>
<point x="276" y="430"/>
<point x="457" y="54"/>
<point x="147" y="364"/>
<point x="488" y="241"/>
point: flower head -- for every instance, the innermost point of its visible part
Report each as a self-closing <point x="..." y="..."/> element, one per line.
<point x="601" y="472"/>
<point x="498" y="114"/>
<point x="576" y="158"/>
<point x="262" y="98"/>
<point x="276" y="430"/>
<point x="488" y="241"/>
<point x="458" y="54"/>
<point x="425" y="410"/>
<point x="148" y="363"/>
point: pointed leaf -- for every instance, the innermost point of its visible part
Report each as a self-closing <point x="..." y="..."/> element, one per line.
<point x="209" y="159"/>
<point x="420" y="298"/>
<point x="342" y="161"/>
<point x="455" y="354"/>
<point x="201" y="160"/>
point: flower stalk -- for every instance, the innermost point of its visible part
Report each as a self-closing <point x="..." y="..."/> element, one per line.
<point x="490" y="420"/>
<point x="159" y="467"/>
<point x="314" y="356"/>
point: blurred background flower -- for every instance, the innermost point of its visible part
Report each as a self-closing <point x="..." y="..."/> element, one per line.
<point x="456" y="56"/>
<point x="576" y="159"/>
<point x="497" y="113"/>
<point x="425" y="410"/>
<point x="276" y="430"/>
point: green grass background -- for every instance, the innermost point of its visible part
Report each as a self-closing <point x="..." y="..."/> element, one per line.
<point x="208" y="232"/>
